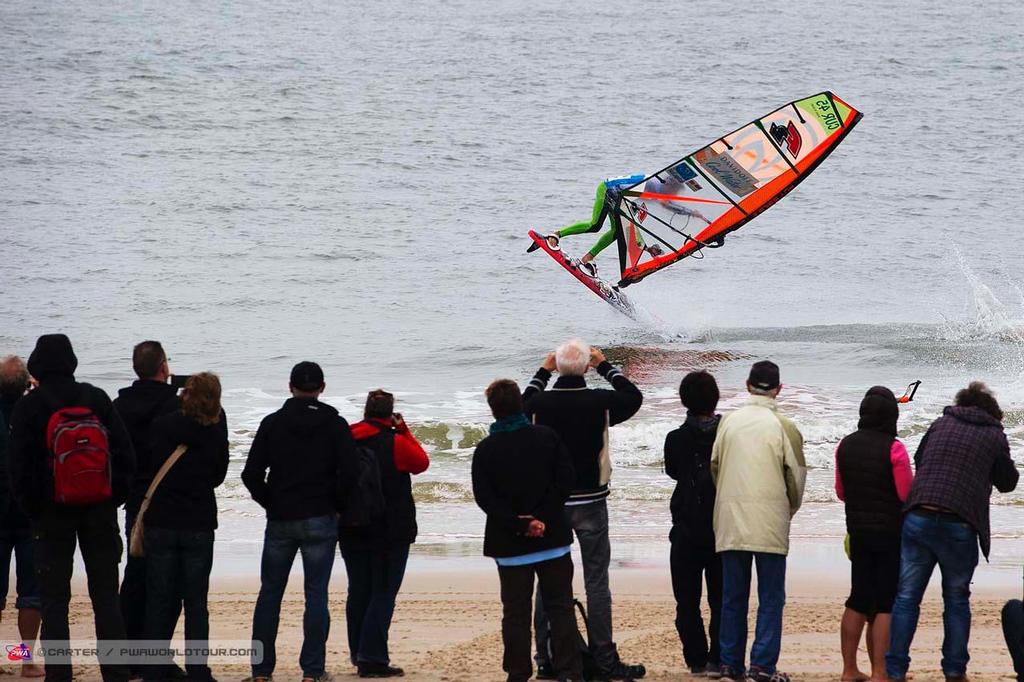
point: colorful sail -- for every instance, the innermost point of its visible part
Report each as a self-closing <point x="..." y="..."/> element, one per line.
<point x="695" y="201"/>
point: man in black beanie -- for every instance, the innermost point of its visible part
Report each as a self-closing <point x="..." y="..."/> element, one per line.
<point x="64" y="514"/>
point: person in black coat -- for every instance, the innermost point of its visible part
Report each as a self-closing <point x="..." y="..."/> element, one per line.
<point x="693" y="557"/>
<point x="522" y="476"/>
<point x="182" y="517"/>
<point x="149" y="397"/>
<point x="57" y="528"/>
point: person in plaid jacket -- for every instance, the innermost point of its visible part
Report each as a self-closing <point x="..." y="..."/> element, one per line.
<point x="962" y="456"/>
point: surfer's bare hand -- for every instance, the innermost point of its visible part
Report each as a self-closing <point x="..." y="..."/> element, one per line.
<point x="596" y="357"/>
<point x="549" y="362"/>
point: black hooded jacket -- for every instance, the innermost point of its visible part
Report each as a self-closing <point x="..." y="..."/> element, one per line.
<point x="864" y="463"/>
<point x="185" y="499"/>
<point x="308" y="449"/>
<point x="139" y="405"/>
<point x="53" y="364"/>
<point x="688" y="461"/>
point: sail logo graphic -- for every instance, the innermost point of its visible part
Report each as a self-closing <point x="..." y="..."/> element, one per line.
<point x="787" y="135"/>
<point x="18" y="652"/>
<point x="727" y="171"/>
<point x="641" y="213"/>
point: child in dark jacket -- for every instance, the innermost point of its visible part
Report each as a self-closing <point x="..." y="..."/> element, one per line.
<point x="182" y="516"/>
<point x="522" y="476"/>
<point x="688" y="461"/>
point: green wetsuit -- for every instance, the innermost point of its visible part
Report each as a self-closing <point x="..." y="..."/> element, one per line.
<point x="597" y="218"/>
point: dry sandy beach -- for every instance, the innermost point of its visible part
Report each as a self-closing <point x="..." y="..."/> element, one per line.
<point x="447" y="627"/>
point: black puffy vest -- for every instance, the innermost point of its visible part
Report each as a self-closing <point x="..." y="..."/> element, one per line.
<point x="865" y="468"/>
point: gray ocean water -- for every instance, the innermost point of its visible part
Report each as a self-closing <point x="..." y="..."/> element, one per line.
<point x="260" y="183"/>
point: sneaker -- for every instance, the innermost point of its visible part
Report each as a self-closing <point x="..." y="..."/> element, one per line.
<point x="324" y="677"/>
<point x="714" y="671"/>
<point x="756" y="674"/>
<point x="624" y="671"/>
<point x="379" y="670"/>
<point x="698" y="670"/>
<point x="546" y="671"/>
<point x="728" y="673"/>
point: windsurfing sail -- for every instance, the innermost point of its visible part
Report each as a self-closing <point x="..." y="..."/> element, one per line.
<point x="692" y="203"/>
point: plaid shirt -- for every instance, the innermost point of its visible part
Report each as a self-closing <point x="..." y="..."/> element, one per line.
<point x="964" y="454"/>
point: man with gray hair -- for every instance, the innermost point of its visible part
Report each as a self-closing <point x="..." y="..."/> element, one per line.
<point x="758" y="465"/>
<point x="15" y="536"/>
<point x="581" y="417"/>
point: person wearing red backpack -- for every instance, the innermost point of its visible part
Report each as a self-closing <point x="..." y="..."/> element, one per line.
<point x="72" y="498"/>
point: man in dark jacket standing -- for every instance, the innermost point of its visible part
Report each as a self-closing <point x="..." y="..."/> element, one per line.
<point x="693" y="557"/>
<point x="581" y="417"/>
<point x="962" y="456"/>
<point x="149" y="397"/>
<point x="56" y="528"/>
<point x="298" y="457"/>
<point x="522" y="476"/>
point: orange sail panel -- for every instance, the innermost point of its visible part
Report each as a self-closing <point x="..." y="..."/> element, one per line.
<point x="695" y="201"/>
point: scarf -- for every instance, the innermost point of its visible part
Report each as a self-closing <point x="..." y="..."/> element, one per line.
<point x="509" y="424"/>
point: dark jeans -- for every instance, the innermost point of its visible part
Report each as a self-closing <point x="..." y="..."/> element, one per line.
<point x="314" y="539"/>
<point x="554" y="578"/>
<point x="1013" y="631"/>
<point x="178" y="564"/>
<point x="133" y="593"/>
<point x="18" y="541"/>
<point x="691" y="566"/>
<point x="374" y="579"/>
<point x="929" y="539"/>
<point x="771" y="597"/>
<point x="590" y="522"/>
<point x="55" y="533"/>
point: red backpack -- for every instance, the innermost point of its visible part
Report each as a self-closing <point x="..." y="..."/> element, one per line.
<point x="79" y="456"/>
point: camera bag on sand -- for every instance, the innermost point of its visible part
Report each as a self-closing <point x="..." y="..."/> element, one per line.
<point x="135" y="547"/>
<point x="591" y="670"/>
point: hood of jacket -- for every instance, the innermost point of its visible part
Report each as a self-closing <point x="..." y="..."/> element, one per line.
<point x="303" y="416"/>
<point x="140" y="401"/>
<point x="972" y="415"/>
<point x="185" y="430"/>
<point x="702" y="426"/>
<point x="879" y="411"/>
<point x="52" y="357"/>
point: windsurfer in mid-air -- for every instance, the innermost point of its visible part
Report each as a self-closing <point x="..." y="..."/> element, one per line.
<point x="604" y="201"/>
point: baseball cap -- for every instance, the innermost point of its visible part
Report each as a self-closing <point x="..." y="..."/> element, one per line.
<point x="764" y="375"/>
<point x="307" y="376"/>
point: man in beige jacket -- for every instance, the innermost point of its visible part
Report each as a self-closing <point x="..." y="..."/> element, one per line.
<point x="759" y="469"/>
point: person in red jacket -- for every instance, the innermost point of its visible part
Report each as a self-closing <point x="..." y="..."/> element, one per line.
<point x="375" y="555"/>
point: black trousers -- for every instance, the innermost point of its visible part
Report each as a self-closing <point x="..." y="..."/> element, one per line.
<point x="133" y="593"/>
<point x="1013" y="631"/>
<point x="555" y="579"/>
<point x="55" y="534"/>
<point x="690" y="567"/>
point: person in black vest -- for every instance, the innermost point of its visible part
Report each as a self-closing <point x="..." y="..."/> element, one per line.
<point x="376" y="555"/>
<point x="693" y="557"/>
<point x="294" y="470"/>
<point x="149" y="397"/>
<point x="57" y="528"/>
<point x="182" y="519"/>
<point x="522" y="476"/>
<point x="873" y="478"/>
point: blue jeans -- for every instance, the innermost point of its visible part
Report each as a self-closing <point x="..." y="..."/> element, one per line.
<point x="771" y="597"/>
<point x="590" y="522"/>
<point x="374" y="578"/>
<point x="929" y="539"/>
<point x="18" y="541"/>
<point x="314" y="538"/>
<point x="178" y="564"/>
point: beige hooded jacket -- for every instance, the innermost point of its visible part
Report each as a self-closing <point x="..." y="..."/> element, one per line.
<point x="759" y="470"/>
